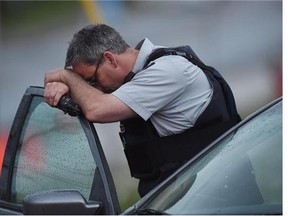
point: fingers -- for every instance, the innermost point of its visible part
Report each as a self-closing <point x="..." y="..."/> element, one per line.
<point x="54" y="86"/>
<point x="54" y="91"/>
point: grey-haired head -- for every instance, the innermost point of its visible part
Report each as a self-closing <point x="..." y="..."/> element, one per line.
<point x="88" y="44"/>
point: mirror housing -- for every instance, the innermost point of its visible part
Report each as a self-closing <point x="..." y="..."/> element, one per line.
<point x="59" y="202"/>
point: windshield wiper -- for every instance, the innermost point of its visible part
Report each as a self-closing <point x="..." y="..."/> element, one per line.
<point x="149" y="212"/>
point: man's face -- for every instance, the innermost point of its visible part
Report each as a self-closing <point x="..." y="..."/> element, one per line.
<point x="101" y="77"/>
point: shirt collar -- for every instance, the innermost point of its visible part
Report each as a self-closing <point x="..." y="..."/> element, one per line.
<point x="145" y="48"/>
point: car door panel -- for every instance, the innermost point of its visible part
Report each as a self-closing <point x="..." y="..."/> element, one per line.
<point x="48" y="150"/>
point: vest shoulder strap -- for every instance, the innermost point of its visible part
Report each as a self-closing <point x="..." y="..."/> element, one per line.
<point x="188" y="53"/>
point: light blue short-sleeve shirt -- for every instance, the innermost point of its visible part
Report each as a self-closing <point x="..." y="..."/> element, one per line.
<point x="171" y="92"/>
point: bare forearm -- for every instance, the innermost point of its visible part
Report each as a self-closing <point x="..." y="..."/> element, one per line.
<point x="86" y="96"/>
<point x="95" y="105"/>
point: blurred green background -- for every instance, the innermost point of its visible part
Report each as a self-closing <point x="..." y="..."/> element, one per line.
<point x="242" y="39"/>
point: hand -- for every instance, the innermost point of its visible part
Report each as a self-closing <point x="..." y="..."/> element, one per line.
<point x="54" y="91"/>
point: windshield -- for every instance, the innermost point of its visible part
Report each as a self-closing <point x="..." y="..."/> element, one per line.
<point x="242" y="174"/>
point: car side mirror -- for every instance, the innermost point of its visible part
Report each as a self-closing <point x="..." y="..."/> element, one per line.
<point x="59" y="202"/>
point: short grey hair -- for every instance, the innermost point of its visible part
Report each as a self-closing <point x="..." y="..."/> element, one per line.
<point x="88" y="44"/>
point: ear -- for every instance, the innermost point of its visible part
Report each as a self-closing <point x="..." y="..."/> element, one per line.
<point x="110" y="58"/>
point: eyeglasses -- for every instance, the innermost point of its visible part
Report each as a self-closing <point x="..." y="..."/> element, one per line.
<point x="93" y="80"/>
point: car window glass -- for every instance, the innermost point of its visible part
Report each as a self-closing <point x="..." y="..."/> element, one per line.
<point x="242" y="175"/>
<point x="53" y="153"/>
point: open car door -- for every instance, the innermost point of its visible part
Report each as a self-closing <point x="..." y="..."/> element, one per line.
<point x="54" y="164"/>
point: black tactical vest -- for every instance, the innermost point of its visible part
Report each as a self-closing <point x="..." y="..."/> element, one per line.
<point x="147" y="152"/>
